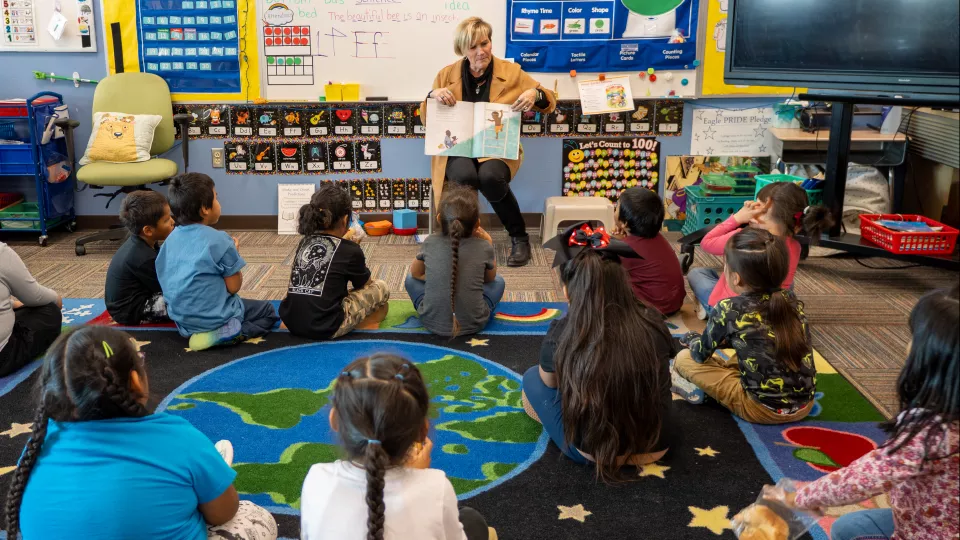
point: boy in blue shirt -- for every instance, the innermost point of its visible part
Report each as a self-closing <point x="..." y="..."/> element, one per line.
<point x="199" y="270"/>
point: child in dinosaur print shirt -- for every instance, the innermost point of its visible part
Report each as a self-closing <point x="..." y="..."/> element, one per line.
<point x="739" y="323"/>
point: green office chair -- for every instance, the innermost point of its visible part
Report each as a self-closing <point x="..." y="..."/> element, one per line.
<point x="134" y="93"/>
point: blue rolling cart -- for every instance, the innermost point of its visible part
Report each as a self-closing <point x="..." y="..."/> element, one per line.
<point x="23" y="154"/>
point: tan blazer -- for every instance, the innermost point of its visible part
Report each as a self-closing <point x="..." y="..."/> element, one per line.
<point x="509" y="81"/>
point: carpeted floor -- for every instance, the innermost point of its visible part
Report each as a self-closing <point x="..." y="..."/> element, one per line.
<point x="268" y="396"/>
<point x="858" y="315"/>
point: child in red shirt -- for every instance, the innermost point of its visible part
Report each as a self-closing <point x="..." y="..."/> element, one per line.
<point x="656" y="279"/>
<point x="783" y="209"/>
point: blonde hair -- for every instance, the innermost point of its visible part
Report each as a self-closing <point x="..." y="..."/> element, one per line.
<point x="468" y="32"/>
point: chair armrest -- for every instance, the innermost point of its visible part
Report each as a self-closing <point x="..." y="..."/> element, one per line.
<point x="68" y="125"/>
<point x="183" y="119"/>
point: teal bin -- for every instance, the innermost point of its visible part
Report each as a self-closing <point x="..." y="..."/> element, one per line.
<point x="814" y="196"/>
<point x="704" y="210"/>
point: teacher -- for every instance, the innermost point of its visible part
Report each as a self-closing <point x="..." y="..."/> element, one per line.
<point x="482" y="77"/>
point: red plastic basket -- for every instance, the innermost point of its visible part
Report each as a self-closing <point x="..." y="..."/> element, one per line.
<point x="908" y="243"/>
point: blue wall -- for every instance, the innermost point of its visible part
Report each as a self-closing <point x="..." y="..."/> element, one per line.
<point x="256" y="194"/>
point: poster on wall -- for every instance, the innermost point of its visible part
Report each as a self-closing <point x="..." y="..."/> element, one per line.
<point x="606" y="167"/>
<point x="685" y="171"/>
<point x="290" y="198"/>
<point x="602" y="35"/>
<point x="714" y="51"/>
<point x="732" y="132"/>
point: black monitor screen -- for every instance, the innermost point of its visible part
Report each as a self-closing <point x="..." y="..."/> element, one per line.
<point x="916" y="37"/>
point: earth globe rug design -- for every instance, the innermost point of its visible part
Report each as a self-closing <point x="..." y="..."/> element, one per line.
<point x="274" y="408"/>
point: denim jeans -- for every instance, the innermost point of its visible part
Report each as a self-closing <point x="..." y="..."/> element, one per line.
<point x="864" y="525"/>
<point x="259" y="318"/>
<point x="546" y="403"/>
<point x="492" y="292"/>
<point x="702" y="281"/>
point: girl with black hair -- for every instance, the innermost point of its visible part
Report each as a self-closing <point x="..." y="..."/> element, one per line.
<point x="772" y="379"/>
<point x="784" y="210"/>
<point x="656" y="276"/>
<point x="318" y="304"/>
<point x="99" y="464"/>
<point x="384" y="488"/>
<point x="917" y="466"/>
<point x="453" y="282"/>
<point x="602" y="389"/>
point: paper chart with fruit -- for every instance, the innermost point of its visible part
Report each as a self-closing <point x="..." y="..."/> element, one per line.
<point x="474" y="130"/>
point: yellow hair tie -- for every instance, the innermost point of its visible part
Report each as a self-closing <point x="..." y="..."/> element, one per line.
<point x="106" y="349"/>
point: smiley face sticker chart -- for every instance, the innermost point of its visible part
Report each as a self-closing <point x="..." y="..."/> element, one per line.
<point x="606" y="167"/>
<point x="602" y="35"/>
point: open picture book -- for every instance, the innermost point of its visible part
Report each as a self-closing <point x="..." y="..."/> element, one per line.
<point x="474" y="130"/>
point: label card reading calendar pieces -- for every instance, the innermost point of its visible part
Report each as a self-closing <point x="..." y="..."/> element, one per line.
<point x="315" y="157"/>
<point x="341" y="156"/>
<point x="317" y="122"/>
<point x="368" y="155"/>
<point x="241" y="121"/>
<point x="264" y="157"/>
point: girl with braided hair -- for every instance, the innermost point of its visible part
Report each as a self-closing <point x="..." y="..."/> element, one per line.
<point x="109" y="467"/>
<point x="772" y="379"/>
<point x="453" y="282"/>
<point x="384" y="489"/>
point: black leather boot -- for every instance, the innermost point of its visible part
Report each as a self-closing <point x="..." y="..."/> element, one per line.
<point x="520" y="251"/>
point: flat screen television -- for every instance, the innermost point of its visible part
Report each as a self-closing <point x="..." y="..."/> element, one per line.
<point x="895" y="46"/>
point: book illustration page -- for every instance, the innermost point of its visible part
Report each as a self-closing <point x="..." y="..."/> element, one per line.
<point x="500" y="131"/>
<point x="449" y="129"/>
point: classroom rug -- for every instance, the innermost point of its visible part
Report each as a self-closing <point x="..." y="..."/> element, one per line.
<point x="269" y="396"/>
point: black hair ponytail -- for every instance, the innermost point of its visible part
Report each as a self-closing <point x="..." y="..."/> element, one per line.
<point x="792" y="209"/>
<point x="456" y="233"/>
<point x="326" y="208"/>
<point x="85" y="377"/>
<point x="375" y="463"/>
<point x="459" y="215"/>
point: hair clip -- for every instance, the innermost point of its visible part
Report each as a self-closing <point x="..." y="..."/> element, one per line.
<point x="373" y="441"/>
<point x="107" y="351"/>
<point x="399" y="376"/>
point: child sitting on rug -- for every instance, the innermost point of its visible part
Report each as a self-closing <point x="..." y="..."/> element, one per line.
<point x="917" y="466"/>
<point x="113" y="469"/>
<point x="453" y="282"/>
<point x="199" y="270"/>
<point x="602" y="389"/>
<point x="318" y="305"/>
<point x="384" y="488"/>
<point x="772" y="379"/>
<point x="783" y="209"/>
<point x="656" y="277"/>
<point x="132" y="293"/>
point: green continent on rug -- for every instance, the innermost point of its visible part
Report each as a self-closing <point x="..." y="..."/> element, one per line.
<point x="279" y="429"/>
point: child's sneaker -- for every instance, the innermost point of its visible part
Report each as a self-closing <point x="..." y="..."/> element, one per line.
<point x="702" y="312"/>
<point x="684" y="388"/>
<point x="225" y="448"/>
<point x="224" y="335"/>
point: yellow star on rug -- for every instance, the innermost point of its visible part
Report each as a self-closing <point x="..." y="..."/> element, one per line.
<point x="706" y="451"/>
<point x="478" y="342"/>
<point x="17" y="429"/>
<point x="139" y="344"/>
<point x="715" y="519"/>
<point x="577" y="512"/>
<point x="5" y="470"/>
<point x="254" y="340"/>
<point x="676" y="397"/>
<point x="653" y="469"/>
<point x="187" y="349"/>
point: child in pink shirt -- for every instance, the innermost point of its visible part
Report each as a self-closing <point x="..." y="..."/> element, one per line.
<point x="781" y="208"/>
<point x="918" y="465"/>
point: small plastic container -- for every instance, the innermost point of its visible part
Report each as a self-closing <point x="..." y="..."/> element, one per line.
<point x="908" y="243"/>
<point x="405" y="232"/>
<point x="9" y="199"/>
<point x="719" y="183"/>
<point x="27" y="216"/>
<point x="814" y="196"/>
<point x="769" y="517"/>
<point x="704" y="210"/>
<point x="378" y="228"/>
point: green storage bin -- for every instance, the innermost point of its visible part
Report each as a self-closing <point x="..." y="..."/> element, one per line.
<point x="705" y="209"/>
<point x="814" y="196"/>
<point x="19" y="216"/>
<point x="718" y="184"/>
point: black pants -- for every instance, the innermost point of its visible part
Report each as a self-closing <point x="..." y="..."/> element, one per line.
<point x="492" y="178"/>
<point x="34" y="331"/>
<point x="474" y="526"/>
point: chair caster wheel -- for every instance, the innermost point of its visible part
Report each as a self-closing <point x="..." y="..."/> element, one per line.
<point x="81" y="251"/>
<point x="43" y="241"/>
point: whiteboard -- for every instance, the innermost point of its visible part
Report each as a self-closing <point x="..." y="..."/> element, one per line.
<point x="392" y="48"/>
<point x="29" y="19"/>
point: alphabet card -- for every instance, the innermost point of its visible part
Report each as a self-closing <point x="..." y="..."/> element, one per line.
<point x="416" y="121"/>
<point x="290" y="157"/>
<point x="531" y="123"/>
<point x="264" y="157"/>
<point x="586" y="124"/>
<point x="341" y="157"/>
<point x="241" y="121"/>
<point x="641" y="119"/>
<point x="315" y="157"/>
<point x="238" y="156"/>
<point x="268" y="122"/>
<point x="217" y="120"/>
<point x="397" y="121"/>
<point x="292" y="122"/>
<point x="371" y="120"/>
<point x="368" y="155"/>
<point x="669" y="118"/>
<point x="317" y="121"/>
<point x="560" y="121"/>
<point x="344" y="121"/>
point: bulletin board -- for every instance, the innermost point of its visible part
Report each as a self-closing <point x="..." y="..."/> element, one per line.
<point x="714" y="56"/>
<point x="26" y="24"/>
<point x="395" y="50"/>
<point x="200" y="47"/>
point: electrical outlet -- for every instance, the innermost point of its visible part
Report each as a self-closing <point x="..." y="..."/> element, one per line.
<point x="217" y="158"/>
